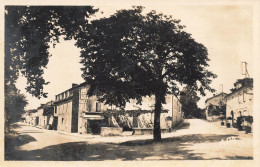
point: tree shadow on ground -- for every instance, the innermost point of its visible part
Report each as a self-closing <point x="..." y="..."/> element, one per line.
<point x="12" y="141"/>
<point x="240" y="157"/>
<point x="196" y="138"/>
<point x="167" y="149"/>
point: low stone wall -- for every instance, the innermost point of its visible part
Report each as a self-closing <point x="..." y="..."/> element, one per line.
<point x="111" y="131"/>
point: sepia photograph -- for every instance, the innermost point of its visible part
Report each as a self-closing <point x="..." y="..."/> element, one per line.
<point x="129" y="82"/>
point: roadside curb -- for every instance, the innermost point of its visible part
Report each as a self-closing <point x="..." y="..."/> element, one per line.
<point x="90" y="136"/>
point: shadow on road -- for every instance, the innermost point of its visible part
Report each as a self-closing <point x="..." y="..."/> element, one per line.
<point x="167" y="149"/>
<point x="12" y="141"/>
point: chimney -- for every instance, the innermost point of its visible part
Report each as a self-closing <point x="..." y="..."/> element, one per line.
<point x="73" y="85"/>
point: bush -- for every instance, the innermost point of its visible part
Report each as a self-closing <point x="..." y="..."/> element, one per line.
<point x="248" y="129"/>
<point x="228" y="125"/>
<point x="249" y="119"/>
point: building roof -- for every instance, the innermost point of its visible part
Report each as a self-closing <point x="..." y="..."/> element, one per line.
<point x="237" y="90"/>
<point x="216" y="96"/>
<point x="46" y="105"/>
<point x="74" y="87"/>
<point x="63" y="100"/>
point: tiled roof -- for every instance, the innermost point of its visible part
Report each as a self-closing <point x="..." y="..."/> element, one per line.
<point x="216" y="96"/>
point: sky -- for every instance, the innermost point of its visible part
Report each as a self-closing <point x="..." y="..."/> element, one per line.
<point x="226" y="31"/>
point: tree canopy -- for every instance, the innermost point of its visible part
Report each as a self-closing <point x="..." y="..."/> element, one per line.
<point x="189" y="100"/>
<point x="131" y="54"/>
<point x="29" y="33"/>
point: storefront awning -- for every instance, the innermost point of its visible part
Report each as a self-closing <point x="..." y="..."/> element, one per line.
<point x="93" y="117"/>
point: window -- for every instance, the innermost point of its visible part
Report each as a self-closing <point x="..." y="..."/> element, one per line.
<point x="98" y="107"/>
<point x="66" y="94"/>
<point x="83" y="95"/>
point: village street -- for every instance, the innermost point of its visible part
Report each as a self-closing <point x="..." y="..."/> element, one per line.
<point x="195" y="139"/>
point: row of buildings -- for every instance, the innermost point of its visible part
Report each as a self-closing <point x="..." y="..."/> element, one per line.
<point x="75" y="112"/>
<point x="237" y="103"/>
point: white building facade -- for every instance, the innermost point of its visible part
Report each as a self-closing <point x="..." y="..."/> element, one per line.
<point x="239" y="103"/>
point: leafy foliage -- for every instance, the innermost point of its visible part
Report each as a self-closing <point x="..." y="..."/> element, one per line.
<point x="29" y="32"/>
<point x="189" y="100"/>
<point x="249" y="119"/>
<point x="131" y="54"/>
<point x="217" y="110"/>
<point x="15" y="103"/>
<point x="244" y="82"/>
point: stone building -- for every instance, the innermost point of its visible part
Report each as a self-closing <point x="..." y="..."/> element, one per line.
<point x="240" y="101"/>
<point x="44" y="115"/>
<point x="75" y="111"/>
<point x="212" y="104"/>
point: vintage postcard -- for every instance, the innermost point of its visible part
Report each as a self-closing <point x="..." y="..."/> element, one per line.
<point x="122" y="83"/>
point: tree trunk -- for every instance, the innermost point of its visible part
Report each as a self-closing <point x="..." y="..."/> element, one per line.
<point x="157" y="115"/>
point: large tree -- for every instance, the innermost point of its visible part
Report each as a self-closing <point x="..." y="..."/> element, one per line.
<point x="131" y="54"/>
<point x="29" y="33"/>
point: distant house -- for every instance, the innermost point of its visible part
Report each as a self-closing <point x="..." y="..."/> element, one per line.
<point x="212" y="105"/>
<point x="43" y="115"/>
<point x="27" y="116"/>
<point x="240" y="101"/>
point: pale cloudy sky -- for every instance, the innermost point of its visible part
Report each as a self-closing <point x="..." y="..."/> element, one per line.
<point x="225" y="30"/>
